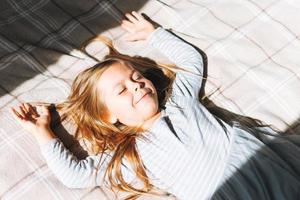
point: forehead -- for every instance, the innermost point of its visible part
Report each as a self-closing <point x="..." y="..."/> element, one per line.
<point x="112" y="76"/>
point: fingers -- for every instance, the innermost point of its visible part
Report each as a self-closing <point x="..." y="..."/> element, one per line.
<point x="131" y="23"/>
<point x="25" y="111"/>
<point x="131" y="18"/>
<point x="22" y="111"/>
<point x="138" y="27"/>
<point x="31" y="110"/>
<point x="15" y="114"/>
<point x="128" y="26"/>
<point x="137" y="16"/>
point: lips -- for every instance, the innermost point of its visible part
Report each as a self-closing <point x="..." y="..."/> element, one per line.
<point x="142" y="96"/>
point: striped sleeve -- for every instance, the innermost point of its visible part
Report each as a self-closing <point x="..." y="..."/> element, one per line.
<point x="182" y="55"/>
<point x="75" y="173"/>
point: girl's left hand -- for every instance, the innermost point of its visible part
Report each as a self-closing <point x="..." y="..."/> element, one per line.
<point x="30" y="119"/>
<point x="138" y="27"/>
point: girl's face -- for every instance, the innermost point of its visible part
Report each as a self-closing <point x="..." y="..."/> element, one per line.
<point x="130" y="98"/>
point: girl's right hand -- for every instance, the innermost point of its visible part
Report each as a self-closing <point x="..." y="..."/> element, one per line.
<point x="137" y="26"/>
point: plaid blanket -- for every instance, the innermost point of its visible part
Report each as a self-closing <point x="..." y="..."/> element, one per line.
<point x="253" y="56"/>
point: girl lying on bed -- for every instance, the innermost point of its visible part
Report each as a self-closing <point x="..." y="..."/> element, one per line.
<point x="156" y="137"/>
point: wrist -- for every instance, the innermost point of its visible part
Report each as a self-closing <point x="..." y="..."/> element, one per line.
<point x="40" y="129"/>
<point x="150" y="35"/>
<point x="43" y="135"/>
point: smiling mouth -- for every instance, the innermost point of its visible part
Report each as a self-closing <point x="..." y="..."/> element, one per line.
<point x="143" y="97"/>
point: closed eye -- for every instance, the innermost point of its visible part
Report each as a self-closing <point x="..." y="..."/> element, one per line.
<point x="135" y="76"/>
<point x="123" y="90"/>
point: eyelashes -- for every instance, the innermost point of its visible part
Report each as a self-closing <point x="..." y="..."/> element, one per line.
<point x="122" y="91"/>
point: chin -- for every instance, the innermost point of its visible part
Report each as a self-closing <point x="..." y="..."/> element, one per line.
<point x="150" y="111"/>
<point x="148" y="107"/>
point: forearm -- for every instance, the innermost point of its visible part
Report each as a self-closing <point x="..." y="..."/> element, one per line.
<point x="184" y="56"/>
<point x="176" y="50"/>
<point x="71" y="171"/>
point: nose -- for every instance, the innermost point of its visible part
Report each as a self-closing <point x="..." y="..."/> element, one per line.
<point x="138" y="86"/>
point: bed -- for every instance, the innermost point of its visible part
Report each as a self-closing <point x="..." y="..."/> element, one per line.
<point x="252" y="50"/>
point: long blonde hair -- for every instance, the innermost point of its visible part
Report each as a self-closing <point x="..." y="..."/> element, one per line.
<point x="85" y="108"/>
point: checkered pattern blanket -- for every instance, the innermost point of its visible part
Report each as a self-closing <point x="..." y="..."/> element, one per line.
<point x="252" y="47"/>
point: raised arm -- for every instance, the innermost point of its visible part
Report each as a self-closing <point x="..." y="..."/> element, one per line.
<point x="176" y="50"/>
<point x="182" y="55"/>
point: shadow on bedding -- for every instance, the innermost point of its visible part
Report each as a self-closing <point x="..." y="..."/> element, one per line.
<point x="35" y="34"/>
<point x="266" y="175"/>
<point x="270" y="171"/>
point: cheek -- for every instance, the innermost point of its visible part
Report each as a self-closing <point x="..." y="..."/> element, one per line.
<point x="121" y="105"/>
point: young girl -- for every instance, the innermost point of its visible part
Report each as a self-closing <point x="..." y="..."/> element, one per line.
<point x="148" y="138"/>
